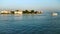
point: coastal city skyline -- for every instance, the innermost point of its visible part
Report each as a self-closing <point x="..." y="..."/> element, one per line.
<point x="29" y="4"/>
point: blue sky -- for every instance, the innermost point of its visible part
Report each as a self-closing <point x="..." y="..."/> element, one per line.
<point x="29" y="4"/>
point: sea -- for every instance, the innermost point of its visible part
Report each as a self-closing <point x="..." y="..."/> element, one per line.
<point x="43" y="23"/>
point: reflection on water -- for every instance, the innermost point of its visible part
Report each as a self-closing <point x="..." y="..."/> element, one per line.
<point x="10" y="17"/>
<point x="29" y="24"/>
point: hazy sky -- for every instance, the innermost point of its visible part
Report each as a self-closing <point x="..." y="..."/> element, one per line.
<point x="29" y="4"/>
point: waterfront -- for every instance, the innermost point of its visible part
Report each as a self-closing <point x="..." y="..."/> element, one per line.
<point x="29" y="24"/>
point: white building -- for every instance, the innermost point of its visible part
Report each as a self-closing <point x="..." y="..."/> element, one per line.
<point x="39" y="12"/>
<point x="5" y="12"/>
<point x="18" y="12"/>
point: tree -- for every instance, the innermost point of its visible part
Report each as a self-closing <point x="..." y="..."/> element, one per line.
<point x="12" y="12"/>
<point x="17" y="10"/>
<point x="36" y="12"/>
<point x="32" y="11"/>
<point x="26" y="11"/>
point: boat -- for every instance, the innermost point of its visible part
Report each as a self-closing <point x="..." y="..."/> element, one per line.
<point x="54" y="14"/>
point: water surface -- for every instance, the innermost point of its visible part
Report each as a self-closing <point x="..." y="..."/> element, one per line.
<point x="30" y="24"/>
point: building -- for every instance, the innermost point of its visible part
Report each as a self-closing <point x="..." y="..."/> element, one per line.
<point x="5" y="12"/>
<point x="18" y="12"/>
<point x="39" y="12"/>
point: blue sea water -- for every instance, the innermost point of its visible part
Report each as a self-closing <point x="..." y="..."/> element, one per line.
<point x="30" y="24"/>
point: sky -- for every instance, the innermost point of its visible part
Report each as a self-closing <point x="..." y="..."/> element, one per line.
<point x="29" y="4"/>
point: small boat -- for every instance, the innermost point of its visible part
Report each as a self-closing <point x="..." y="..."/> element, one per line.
<point x="54" y="14"/>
